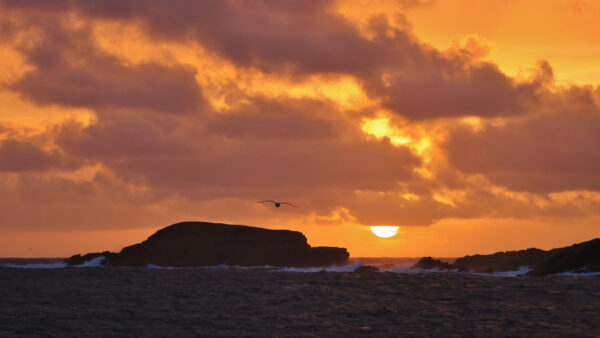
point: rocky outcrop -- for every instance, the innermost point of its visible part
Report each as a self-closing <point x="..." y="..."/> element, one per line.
<point x="428" y="263"/>
<point x="79" y="259"/>
<point x="500" y="261"/>
<point x="581" y="257"/>
<point x="206" y="244"/>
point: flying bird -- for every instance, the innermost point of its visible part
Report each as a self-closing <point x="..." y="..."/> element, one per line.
<point x="278" y="204"/>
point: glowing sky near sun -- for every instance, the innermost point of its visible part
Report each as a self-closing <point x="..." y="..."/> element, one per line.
<point x="472" y="125"/>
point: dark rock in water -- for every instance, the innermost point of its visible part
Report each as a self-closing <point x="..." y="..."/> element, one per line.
<point x="581" y="257"/>
<point x="500" y="261"/>
<point x="206" y="244"/>
<point x="428" y="263"/>
<point x="79" y="259"/>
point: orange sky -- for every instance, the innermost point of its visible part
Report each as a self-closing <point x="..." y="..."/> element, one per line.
<point x="471" y="125"/>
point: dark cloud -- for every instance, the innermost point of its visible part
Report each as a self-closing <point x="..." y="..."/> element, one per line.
<point x="117" y="138"/>
<point x="70" y="70"/>
<point x="171" y="162"/>
<point x="408" y="77"/>
<point x="40" y="202"/>
<point x="19" y="156"/>
<point x="280" y="118"/>
<point x="439" y="90"/>
<point x="305" y="35"/>
<point x="545" y="153"/>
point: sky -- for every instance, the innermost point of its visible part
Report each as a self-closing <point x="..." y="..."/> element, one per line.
<point x="472" y="125"/>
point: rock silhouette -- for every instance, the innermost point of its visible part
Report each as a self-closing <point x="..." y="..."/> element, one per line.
<point x="500" y="261"/>
<point x="429" y="263"/>
<point x="581" y="257"/>
<point x="206" y="244"/>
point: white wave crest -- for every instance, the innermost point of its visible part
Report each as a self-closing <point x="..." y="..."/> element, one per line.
<point x="333" y="268"/>
<point x="57" y="265"/>
<point x="521" y="272"/>
<point x="94" y="262"/>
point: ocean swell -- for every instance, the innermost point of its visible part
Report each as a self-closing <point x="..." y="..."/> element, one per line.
<point x="357" y="266"/>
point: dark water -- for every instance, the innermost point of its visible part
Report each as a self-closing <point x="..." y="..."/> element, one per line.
<point x="262" y="302"/>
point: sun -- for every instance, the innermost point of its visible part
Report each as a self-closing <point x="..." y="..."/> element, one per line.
<point x="385" y="231"/>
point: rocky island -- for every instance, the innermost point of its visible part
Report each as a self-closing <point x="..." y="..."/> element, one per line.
<point x="578" y="258"/>
<point x="205" y="244"/>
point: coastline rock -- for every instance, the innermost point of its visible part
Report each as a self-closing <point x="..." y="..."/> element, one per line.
<point x="206" y="244"/>
<point x="581" y="257"/>
<point x="500" y="261"/>
<point x="79" y="259"/>
<point x="428" y="263"/>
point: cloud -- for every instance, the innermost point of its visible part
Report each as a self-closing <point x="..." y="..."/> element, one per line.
<point x="304" y="35"/>
<point x="408" y="77"/>
<point x="118" y="138"/>
<point x="543" y="153"/>
<point x="70" y="70"/>
<point x="190" y="163"/>
<point x="156" y="145"/>
<point x="19" y="156"/>
<point x="32" y="201"/>
<point x="280" y="118"/>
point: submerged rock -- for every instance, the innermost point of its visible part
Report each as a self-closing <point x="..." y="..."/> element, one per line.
<point x="428" y="263"/>
<point x="206" y="244"/>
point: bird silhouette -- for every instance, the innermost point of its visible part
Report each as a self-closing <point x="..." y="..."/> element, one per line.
<point x="278" y="204"/>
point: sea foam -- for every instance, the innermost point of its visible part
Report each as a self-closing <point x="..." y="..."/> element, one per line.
<point x="94" y="262"/>
<point x="398" y="269"/>
<point x="56" y="265"/>
<point x="333" y="268"/>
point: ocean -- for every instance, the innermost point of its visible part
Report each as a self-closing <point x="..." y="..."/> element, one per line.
<point x="41" y="298"/>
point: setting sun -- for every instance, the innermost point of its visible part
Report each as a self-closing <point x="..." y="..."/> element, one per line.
<point x="385" y="231"/>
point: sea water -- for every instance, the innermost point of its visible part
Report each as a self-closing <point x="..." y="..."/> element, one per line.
<point x="49" y="299"/>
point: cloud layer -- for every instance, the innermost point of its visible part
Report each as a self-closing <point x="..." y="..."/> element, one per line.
<point x="461" y="140"/>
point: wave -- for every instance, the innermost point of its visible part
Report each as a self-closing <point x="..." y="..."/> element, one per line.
<point x="577" y="274"/>
<point x="357" y="266"/>
<point x="333" y="268"/>
<point x="220" y="266"/>
<point x="410" y="270"/>
<point x="56" y="265"/>
<point x="94" y="262"/>
<point x="517" y="273"/>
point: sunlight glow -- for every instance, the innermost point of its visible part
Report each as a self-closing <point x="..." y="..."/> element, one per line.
<point x="417" y="140"/>
<point x="385" y="231"/>
<point x="381" y="128"/>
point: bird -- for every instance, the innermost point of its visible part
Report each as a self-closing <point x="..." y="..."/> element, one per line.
<point x="278" y="204"/>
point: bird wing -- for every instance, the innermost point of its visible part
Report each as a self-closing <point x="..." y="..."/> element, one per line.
<point x="288" y="203"/>
<point x="266" y="201"/>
